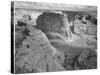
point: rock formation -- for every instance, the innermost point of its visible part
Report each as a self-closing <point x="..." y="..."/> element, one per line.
<point x="55" y="23"/>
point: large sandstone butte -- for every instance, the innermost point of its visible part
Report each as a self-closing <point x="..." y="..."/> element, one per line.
<point x="54" y="25"/>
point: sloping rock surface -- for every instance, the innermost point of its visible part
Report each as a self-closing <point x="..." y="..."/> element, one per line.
<point x="36" y="54"/>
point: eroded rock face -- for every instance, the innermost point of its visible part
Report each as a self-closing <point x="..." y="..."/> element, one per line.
<point x="36" y="54"/>
<point x="87" y="59"/>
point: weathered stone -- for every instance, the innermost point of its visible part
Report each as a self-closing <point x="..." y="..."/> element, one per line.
<point x="37" y="53"/>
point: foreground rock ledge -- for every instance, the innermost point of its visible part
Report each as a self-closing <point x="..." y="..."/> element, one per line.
<point x="38" y="55"/>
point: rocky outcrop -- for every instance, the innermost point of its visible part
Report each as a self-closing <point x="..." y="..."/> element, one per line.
<point x="36" y="54"/>
<point x="53" y="23"/>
